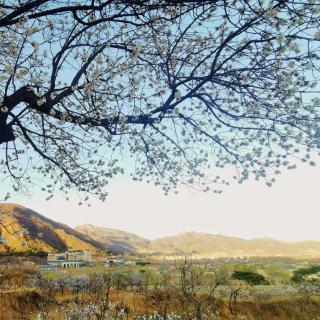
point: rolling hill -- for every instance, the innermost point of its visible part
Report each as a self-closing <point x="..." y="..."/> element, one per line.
<point x="42" y="234"/>
<point x="222" y="246"/>
<point x="49" y="236"/>
<point x="115" y="240"/>
<point x="196" y="243"/>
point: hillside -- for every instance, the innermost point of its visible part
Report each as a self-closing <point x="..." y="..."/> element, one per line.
<point x="221" y="246"/>
<point x="202" y="244"/>
<point x="43" y="234"/>
<point x="49" y="236"/>
<point x="115" y="240"/>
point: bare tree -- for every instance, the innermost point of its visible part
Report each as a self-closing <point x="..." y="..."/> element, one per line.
<point x="196" y="289"/>
<point x="162" y="294"/>
<point x="238" y="289"/>
<point x="176" y="87"/>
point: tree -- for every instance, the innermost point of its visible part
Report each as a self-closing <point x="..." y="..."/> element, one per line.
<point x="311" y="273"/>
<point x="175" y="87"/>
<point x="238" y="289"/>
<point x="252" y="278"/>
<point x="196" y="288"/>
<point x="162" y="294"/>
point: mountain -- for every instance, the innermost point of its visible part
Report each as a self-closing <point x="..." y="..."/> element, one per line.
<point x="43" y="234"/>
<point x="115" y="240"/>
<point x="49" y="236"/>
<point x="196" y="243"/>
<point x="221" y="246"/>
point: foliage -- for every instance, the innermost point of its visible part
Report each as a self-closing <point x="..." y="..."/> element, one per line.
<point x="277" y="274"/>
<point x="311" y="273"/>
<point x="252" y="278"/>
<point x="142" y="262"/>
<point x="27" y="253"/>
<point x="189" y="291"/>
<point x="177" y="87"/>
<point x="16" y="277"/>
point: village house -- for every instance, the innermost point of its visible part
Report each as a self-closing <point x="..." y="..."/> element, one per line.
<point x="114" y="261"/>
<point x="70" y="258"/>
<point x="120" y="261"/>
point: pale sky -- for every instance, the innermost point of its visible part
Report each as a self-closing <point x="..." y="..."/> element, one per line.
<point x="287" y="211"/>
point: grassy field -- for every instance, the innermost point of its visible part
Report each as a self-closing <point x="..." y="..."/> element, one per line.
<point x="183" y="290"/>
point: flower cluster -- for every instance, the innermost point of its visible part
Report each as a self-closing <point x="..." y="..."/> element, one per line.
<point x="84" y="90"/>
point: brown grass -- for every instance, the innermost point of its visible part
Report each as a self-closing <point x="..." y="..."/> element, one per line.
<point x="25" y="305"/>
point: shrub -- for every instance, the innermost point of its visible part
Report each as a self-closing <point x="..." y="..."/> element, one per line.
<point x="252" y="278"/>
<point x="306" y="274"/>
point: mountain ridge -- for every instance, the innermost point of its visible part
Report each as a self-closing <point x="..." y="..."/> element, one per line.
<point x="117" y="241"/>
<point x="202" y="243"/>
<point x="50" y="236"/>
<point x="43" y="234"/>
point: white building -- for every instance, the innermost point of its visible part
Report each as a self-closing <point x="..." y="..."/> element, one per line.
<point x="71" y="258"/>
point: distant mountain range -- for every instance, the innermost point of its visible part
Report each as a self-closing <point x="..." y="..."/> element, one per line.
<point x="50" y="236"/>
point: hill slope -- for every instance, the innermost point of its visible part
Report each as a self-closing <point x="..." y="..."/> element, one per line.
<point x="49" y="236"/>
<point x="218" y="245"/>
<point x="202" y="244"/>
<point x="43" y="234"/>
<point x="115" y="240"/>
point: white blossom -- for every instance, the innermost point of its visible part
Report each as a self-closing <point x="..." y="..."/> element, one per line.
<point x="4" y="109"/>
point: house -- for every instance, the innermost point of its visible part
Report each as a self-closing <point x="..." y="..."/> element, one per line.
<point x="115" y="261"/>
<point x="119" y="261"/>
<point x="71" y="258"/>
<point x="79" y="255"/>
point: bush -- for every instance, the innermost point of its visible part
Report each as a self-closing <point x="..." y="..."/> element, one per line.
<point x="306" y="274"/>
<point x="252" y="278"/>
<point x="142" y="263"/>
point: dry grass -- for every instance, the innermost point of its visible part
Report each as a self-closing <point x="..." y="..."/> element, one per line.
<point x="24" y="305"/>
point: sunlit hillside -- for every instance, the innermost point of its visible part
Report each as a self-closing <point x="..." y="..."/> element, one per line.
<point x="26" y="230"/>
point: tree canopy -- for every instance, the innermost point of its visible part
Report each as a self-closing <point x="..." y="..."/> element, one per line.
<point x="252" y="278"/>
<point x="311" y="273"/>
<point x="177" y="88"/>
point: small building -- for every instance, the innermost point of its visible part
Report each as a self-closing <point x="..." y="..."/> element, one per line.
<point x="71" y="258"/>
<point x="52" y="257"/>
<point x="116" y="261"/>
<point x="79" y="255"/>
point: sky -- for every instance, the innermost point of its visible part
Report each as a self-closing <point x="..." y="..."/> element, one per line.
<point x="289" y="210"/>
